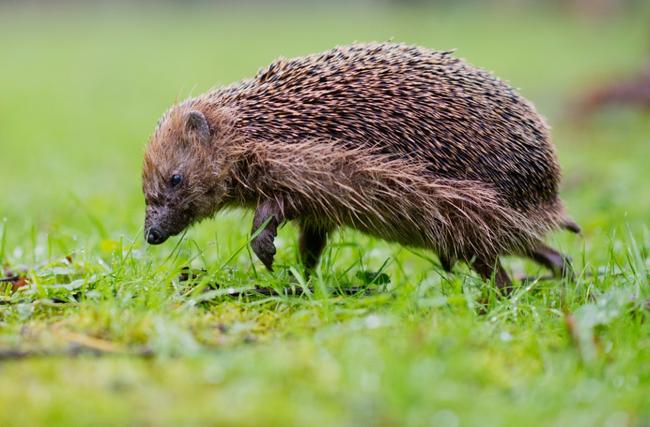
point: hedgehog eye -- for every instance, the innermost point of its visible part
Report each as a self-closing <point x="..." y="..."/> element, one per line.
<point x="175" y="180"/>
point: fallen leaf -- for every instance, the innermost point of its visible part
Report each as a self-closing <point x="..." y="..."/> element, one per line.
<point x="20" y="282"/>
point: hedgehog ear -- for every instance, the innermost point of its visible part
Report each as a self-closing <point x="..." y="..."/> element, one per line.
<point x="197" y="127"/>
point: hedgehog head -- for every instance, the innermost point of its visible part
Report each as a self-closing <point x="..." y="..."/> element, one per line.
<point x="185" y="172"/>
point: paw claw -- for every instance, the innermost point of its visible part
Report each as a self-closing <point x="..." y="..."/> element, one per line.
<point x="264" y="249"/>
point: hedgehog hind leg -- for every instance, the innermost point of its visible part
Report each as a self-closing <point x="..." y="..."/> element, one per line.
<point x="312" y="241"/>
<point x="447" y="262"/>
<point x="490" y="267"/>
<point x="555" y="261"/>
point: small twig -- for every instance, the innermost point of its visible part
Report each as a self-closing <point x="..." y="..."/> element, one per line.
<point x="14" y="354"/>
<point x="71" y="351"/>
<point x="294" y="291"/>
<point x="92" y="343"/>
<point x="599" y="274"/>
<point x="45" y="302"/>
<point x="525" y="280"/>
<point x="188" y="275"/>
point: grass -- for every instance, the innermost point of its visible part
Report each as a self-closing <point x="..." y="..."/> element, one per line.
<point x="106" y="333"/>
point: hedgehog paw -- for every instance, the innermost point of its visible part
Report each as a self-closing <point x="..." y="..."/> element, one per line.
<point x="264" y="248"/>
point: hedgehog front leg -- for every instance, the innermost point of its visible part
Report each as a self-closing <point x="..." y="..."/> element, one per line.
<point x="312" y="242"/>
<point x="488" y="269"/>
<point x="271" y="213"/>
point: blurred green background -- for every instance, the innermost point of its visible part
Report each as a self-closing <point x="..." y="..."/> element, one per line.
<point x="82" y="85"/>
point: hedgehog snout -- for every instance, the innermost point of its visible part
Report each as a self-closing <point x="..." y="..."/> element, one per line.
<point x="162" y="222"/>
<point x="155" y="228"/>
<point x="154" y="236"/>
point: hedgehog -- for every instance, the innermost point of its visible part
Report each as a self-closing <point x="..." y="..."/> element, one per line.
<point x="404" y="143"/>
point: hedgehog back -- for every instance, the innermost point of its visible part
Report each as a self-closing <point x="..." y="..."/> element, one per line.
<point x="410" y="102"/>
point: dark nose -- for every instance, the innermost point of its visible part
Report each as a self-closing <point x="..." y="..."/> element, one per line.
<point x="154" y="236"/>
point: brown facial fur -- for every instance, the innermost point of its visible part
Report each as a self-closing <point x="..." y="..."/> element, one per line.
<point x="181" y="147"/>
<point x="408" y="144"/>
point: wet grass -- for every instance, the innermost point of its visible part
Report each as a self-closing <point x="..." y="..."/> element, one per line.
<point x="102" y="330"/>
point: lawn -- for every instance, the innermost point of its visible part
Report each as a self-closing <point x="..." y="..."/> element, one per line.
<point x="105" y="332"/>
